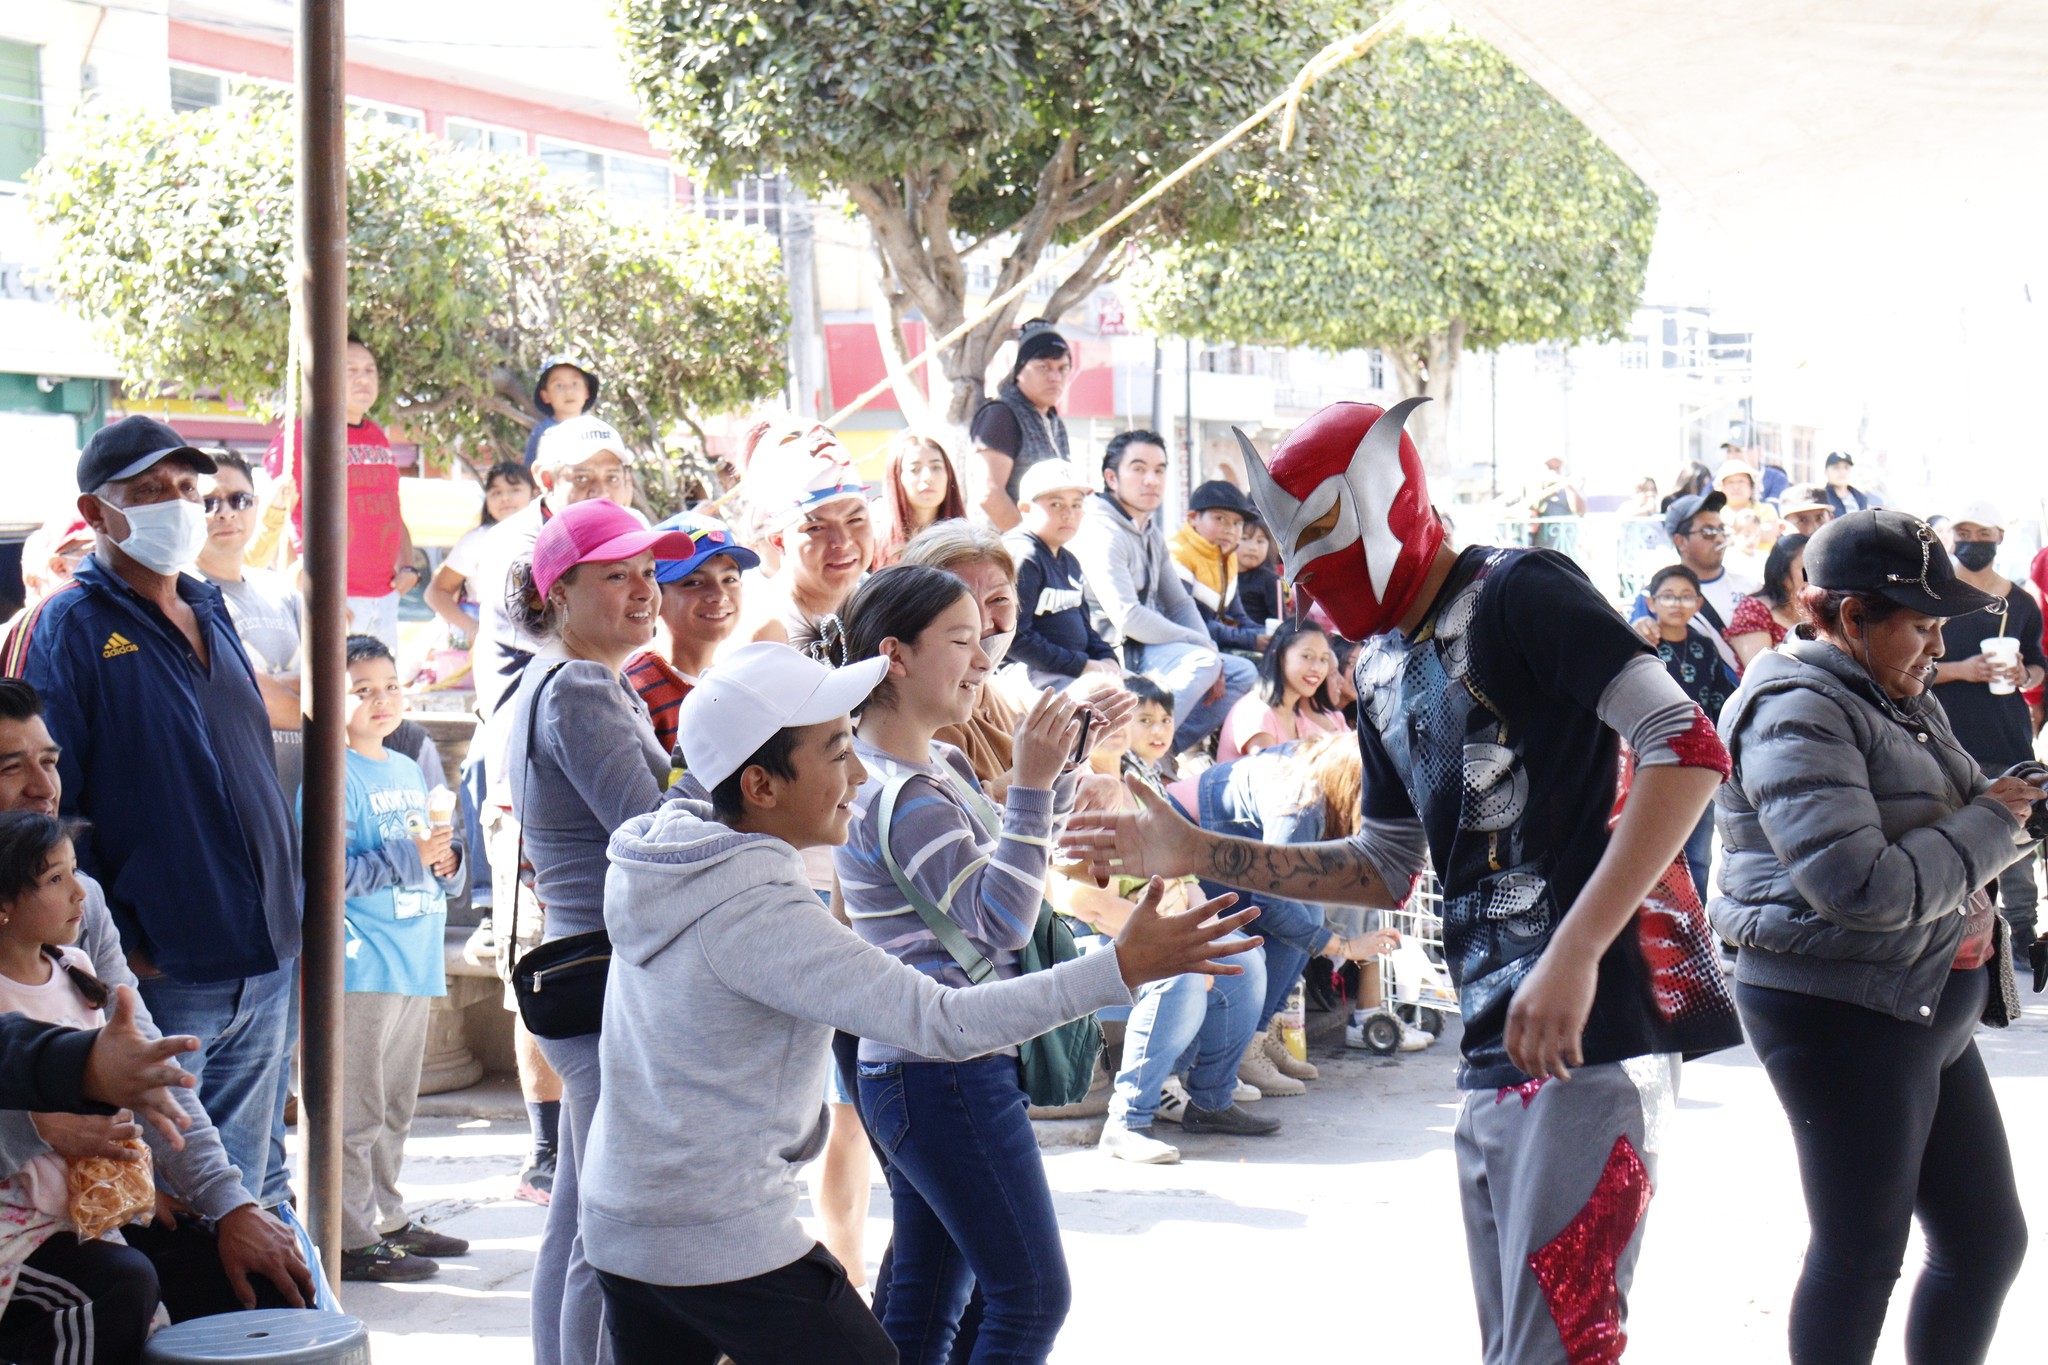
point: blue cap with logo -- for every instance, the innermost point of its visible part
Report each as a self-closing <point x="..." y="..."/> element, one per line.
<point x="713" y="538"/>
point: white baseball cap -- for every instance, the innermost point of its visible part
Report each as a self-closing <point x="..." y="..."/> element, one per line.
<point x="576" y="440"/>
<point x="759" y="689"/>
<point x="1984" y="514"/>
<point x="1048" y="475"/>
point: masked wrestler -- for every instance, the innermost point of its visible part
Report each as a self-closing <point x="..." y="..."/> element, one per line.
<point x="1497" y="689"/>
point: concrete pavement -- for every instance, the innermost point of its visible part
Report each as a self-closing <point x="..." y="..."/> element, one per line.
<point x="1338" y="1239"/>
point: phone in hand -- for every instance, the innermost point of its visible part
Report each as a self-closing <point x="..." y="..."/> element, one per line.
<point x="1087" y="717"/>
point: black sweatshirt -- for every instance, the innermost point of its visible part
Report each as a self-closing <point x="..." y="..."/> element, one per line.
<point x="1054" y="638"/>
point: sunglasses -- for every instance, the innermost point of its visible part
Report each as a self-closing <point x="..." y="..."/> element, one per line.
<point x="1708" y="533"/>
<point x="240" y="502"/>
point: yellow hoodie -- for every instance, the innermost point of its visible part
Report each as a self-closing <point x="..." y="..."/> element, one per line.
<point x="1211" y="574"/>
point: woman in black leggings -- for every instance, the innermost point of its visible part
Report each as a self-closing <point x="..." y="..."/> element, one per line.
<point x="1857" y="838"/>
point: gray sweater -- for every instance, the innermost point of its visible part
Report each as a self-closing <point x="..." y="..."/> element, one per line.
<point x="727" y="980"/>
<point x="594" y="762"/>
<point x="1851" y="830"/>
<point x="1133" y="591"/>
<point x="201" y="1174"/>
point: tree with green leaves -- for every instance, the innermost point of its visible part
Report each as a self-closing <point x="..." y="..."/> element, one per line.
<point x="1467" y="210"/>
<point x="1013" y="125"/>
<point x="173" y="232"/>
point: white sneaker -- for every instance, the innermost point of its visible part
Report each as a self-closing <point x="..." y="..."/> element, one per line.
<point x="1173" y="1101"/>
<point x="1246" y="1094"/>
<point x="1136" y="1145"/>
<point x="1415" y="1039"/>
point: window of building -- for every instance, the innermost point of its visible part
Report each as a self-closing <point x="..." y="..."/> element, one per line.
<point x="390" y="113"/>
<point x="631" y="181"/>
<point x="192" y="90"/>
<point x="757" y="202"/>
<point x="1635" y="353"/>
<point x="21" y="110"/>
<point x="1376" y="369"/>
<point x="486" y="137"/>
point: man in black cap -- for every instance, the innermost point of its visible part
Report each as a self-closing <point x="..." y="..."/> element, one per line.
<point x="1694" y="525"/>
<point x="166" y="750"/>
<point x="1843" y="496"/>
<point x="1204" y="550"/>
<point x="1021" y="425"/>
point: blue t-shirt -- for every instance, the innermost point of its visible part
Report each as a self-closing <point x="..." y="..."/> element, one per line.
<point x="396" y="913"/>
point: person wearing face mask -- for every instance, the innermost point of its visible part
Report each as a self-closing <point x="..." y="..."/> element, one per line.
<point x="166" y="750"/>
<point x="1981" y="691"/>
<point x="1858" y="836"/>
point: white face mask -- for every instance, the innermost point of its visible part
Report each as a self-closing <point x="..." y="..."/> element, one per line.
<point x="997" y="647"/>
<point x="164" y="536"/>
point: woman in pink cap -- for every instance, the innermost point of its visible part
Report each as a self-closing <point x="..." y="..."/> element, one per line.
<point x="582" y="759"/>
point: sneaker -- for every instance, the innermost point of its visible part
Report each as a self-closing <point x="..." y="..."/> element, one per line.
<point x="1136" y="1145"/>
<point x="1255" y="1068"/>
<point x="537" y="1182"/>
<point x="386" y="1264"/>
<point x="415" y="1239"/>
<point x="1284" y="1061"/>
<point x="1173" y="1100"/>
<point x="1236" y="1121"/>
<point x="1415" y="1039"/>
<point x="1240" y="1093"/>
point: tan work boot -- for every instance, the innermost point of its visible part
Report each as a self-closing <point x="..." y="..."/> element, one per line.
<point x="1284" y="1061"/>
<point x="1256" y="1068"/>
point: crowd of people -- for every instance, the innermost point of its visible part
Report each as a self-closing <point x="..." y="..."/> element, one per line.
<point x="813" y="817"/>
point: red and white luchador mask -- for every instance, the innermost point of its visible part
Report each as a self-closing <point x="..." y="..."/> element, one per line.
<point x="1349" y="512"/>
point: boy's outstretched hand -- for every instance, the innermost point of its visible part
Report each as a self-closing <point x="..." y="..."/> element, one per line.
<point x="1153" y="946"/>
<point x="132" y="1071"/>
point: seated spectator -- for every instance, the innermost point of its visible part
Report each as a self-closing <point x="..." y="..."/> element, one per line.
<point x="1136" y="601"/>
<point x="402" y="864"/>
<point x="725" y="966"/>
<point x="1293" y="700"/>
<point x="919" y="487"/>
<point x="1295" y="793"/>
<point x="804" y="483"/>
<point x="1191" y="1026"/>
<point x="233" y="1254"/>
<point x="567" y="388"/>
<point x="264" y="605"/>
<point x="1258" y="574"/>
<point x="1205" y="552"/>
<point x="1150" y="733"/>
<point x="1055" y="641"/>
<point x="453" y="596"/>
<point x="1762" y="621"/>
<point x="1804" y="508"/>
<point x="700" y="607"/>
<point x="50" y="555"/>
<point x="1696" y="666"/>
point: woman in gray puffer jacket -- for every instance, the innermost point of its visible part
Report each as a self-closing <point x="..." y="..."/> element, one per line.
<point x="1854" y="832"/>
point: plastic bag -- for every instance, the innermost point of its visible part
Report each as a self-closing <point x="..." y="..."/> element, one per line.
<point x="107" y="1194"/>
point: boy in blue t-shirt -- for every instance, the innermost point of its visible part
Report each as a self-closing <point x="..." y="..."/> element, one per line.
<point x="403" y="861"/>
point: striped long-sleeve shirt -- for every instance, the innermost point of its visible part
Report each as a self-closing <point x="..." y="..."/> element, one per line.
<point x="985" y="868"/>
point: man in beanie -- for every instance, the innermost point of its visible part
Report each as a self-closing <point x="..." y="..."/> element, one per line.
<point x="1021" y="425"/>
<point x="1204" y="550"/>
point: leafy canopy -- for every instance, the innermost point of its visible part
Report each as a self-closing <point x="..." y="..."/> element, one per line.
<point x="174" y="232"/>
<point x="1464" y="194"/>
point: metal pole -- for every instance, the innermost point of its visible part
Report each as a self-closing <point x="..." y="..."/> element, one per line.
<point x="1158" y="385"/>
<point x="322" y="280"/>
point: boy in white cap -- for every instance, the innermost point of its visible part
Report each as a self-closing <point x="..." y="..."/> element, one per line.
<point x="1054" y="638"/>
<point x="725" y="965"/>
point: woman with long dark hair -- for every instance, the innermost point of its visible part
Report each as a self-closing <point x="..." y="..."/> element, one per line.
<point x="919" y="489"/>
<point x="507" y="489"/>
<point x="1693" y="478"/>
<point x="1293" y="700"/>
<point x="1858" y="838"/>
<point x="1763" y="621"/>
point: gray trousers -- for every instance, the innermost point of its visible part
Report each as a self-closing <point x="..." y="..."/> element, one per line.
<point x="568" y="1302"/>
<point x="1555" y="1180"/>
<point x="384" y="1040"/>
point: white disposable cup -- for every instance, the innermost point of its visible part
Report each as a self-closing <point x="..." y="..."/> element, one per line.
<point x="2004" y="652"/>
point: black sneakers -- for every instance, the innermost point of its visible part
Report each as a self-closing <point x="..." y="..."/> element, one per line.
<point x="415" y="1240"/>
<point x="383" y="1263"/>
<point x="1236" y="1121"/>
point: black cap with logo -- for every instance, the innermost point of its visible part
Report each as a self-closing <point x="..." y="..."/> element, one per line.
<point x="131" y="445"/>
<point x="1894" y="555"/>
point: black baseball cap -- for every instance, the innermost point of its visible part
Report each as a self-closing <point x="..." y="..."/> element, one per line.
<point x="1220" y="495"/>
<point x="1686" y="508"/>
<point x="1895" y="555"/>
<point x="131" y="445"/>
<point x="1838" y="457"/>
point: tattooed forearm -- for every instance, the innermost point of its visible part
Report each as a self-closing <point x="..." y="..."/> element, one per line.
<point x="1337" y="872"/>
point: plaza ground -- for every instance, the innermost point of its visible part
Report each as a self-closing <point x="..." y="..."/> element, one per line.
<point x="1336" y="1240"/>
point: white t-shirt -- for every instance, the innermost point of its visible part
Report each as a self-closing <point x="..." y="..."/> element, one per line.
<point x="490" y="579"/>
<point x="44" y="1183"/>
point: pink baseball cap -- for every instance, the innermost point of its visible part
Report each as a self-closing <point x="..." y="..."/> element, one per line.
<point x="599" y="531"/>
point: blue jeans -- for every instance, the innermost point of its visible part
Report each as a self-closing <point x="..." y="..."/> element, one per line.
<point x="246" y="1031"/>
<point x="1699" y="855"/>
<point x="1294" y="932"/>
<point x="1187" y="672"/>
<point x="971" y="1206"/>
<point x="1177" y="1020"/>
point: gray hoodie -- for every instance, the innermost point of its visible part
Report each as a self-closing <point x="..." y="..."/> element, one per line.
<point x="1133" y="591"/>
<point x="727" y="980"/>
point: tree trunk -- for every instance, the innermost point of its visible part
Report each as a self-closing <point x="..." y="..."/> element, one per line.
<point x="1427" y="368"/>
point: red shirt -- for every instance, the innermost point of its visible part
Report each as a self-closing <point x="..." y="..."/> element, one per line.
<point x="376" y="529"/>
<point x="663" y="689"/>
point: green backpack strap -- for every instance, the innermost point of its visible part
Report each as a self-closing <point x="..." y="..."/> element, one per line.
<point x="949" y="934"/>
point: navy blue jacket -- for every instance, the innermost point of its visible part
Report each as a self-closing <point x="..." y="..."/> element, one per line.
<point x="1054" y="638"/>
<point x="120" y="691"/>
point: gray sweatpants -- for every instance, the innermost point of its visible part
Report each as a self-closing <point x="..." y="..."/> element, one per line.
<point x="1555" y="1179"/>
<point x="384" y="1040"/>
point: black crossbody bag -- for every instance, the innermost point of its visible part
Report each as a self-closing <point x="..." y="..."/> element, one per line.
<point x="560" y="984"/>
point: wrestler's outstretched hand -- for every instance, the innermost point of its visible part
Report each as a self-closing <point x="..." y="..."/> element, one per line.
<point x="1148" y="838"/>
